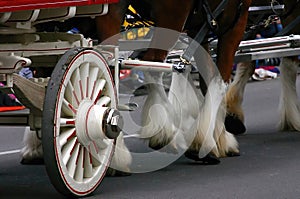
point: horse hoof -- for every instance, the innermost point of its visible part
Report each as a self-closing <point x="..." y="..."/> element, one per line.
<point x="232" y="154"/>
<point x="209" y="159"/>
<point x="35" y="161"/>
<point x="116" y="173"/>
<point x="234" y="125"/>
<point x="142" y="90"/>
<point x="156" y="146"/>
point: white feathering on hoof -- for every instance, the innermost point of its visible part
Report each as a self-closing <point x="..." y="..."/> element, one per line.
<point x="227" y="144"/>
<point x="289" y="105"/>
<point x="226" y="141"/>
<point x="186" y="100"/>
<point x="121" y="159"/>
<point x="32" y="146"/>
<point x="208" y="116"/>
<point x="158" y="115"/>
<point x="184" y="96"/>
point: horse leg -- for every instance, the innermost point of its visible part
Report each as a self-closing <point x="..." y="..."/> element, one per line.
<point x="158" y="115"/>
<point x="234" y="121"/>
<point x="163" y="11"/>
<point x="32" y="151"/>
<point x="204" y="147"/>
<point x="231" y="37"/>
<point x="226" y="142"/>
<point x="228" y="42"/>
<point x="110" y="24"/>
<point x="121" y="161"/>
<point x="202" y="141"/>
<point x="289" y="105"/>
<point x="164" y="37"/>
<point x="197" y="133"/>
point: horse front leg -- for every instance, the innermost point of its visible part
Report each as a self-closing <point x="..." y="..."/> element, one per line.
<point x="227" y="45"/>
<point x="158" y="116"/>
<point x="226" y="142"/>
<point x="230" y="35"/>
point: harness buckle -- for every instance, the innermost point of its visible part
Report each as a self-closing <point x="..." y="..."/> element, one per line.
<point x="184" y="61"/>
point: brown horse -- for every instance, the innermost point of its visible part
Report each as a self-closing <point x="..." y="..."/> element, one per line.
<point x="173" y="14"/>
<point x="289" y="108"/>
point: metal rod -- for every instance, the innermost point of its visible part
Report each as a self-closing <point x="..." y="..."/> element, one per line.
<point x="256" y="43"/>
<point x="147" y="65"/>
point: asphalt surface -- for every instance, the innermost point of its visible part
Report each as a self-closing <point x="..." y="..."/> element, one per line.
<point x="269" y="165"/>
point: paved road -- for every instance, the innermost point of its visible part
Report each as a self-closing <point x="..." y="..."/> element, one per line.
<point x="269" y="165"/>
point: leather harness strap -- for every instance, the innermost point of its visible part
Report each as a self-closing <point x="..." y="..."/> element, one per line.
<point x="289" y="27"/>
<point x="196" y="42"/>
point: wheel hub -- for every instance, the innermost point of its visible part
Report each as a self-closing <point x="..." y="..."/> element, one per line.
<point x="95" y="122"/>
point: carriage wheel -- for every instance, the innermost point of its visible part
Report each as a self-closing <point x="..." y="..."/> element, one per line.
<point x="80" y="122"/>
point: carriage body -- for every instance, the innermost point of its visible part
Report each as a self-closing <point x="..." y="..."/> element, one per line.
<point x="20" y="5"/>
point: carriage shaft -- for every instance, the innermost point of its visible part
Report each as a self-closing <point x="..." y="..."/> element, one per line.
<point x="147" y="65"/>
<point x="268" y="48"/>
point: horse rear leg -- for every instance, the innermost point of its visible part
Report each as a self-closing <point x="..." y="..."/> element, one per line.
<point x="289" y="106"/>
<point x="234" y="120"/>
<point x="169" y="14"/>
<point x="121" y="160"/>
<point x="32" y="152"/>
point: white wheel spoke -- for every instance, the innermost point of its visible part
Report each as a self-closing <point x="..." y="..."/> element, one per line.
<point x="92" y="79"/>
<point x="71" y="165"/>
<point x="98" y="89"/>
<point x="84" y="76"/>
<point x="67" y="149"/>
<point x="94" y="152"/>
<point x="65" y="135"/>
<point x="67" y="122"/>
<point x="76" y="81"/>
<point x="88" y="167"/>
<point x="103" y="101"/>
<point x="98" y="151"/>
<point x="79" y="168"/>
<point x="71" y="96"/>
<point x="68" y="109"/>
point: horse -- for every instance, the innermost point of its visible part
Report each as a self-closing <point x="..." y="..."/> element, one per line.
<point x="288" y="107"/>
<point x="210" y="140"/>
